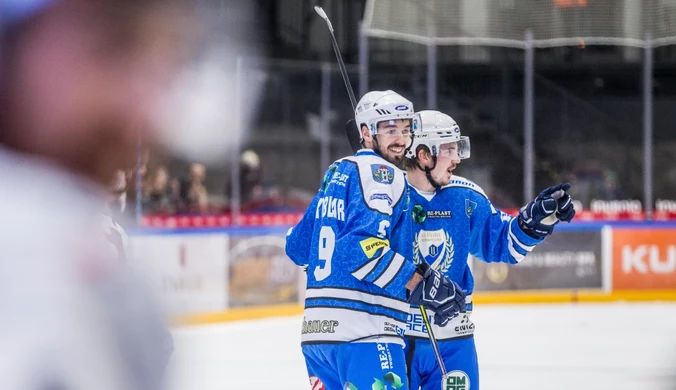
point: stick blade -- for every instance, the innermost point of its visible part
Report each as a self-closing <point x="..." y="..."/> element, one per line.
<point x="320" y="11"/>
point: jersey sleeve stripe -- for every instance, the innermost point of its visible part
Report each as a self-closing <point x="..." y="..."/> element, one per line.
<point x="362" y="272"/>
<point x="382" y="267"/>
<point x="513" y="236"/>
<point x="516" y="247"/>
<point x="515" y="254"/>
<point x="391" y="272"/>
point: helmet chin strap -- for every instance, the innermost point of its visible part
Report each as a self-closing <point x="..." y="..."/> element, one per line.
<point x="428" y="171"/>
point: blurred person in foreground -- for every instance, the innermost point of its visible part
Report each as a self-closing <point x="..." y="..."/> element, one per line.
<point x="141" y="327"/>
<point x="79" y="82"/>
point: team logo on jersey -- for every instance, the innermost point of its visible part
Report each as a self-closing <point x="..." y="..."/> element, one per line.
<point x="435" y="248"/>
<point x="470" y="206"/>
<point x="456" y="380"/>
<point x="382" y="173"/>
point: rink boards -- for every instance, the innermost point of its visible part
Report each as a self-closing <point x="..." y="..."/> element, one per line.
<point x="226" y="274"/>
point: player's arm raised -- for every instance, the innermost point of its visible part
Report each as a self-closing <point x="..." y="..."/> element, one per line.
<point x="499" y="237"/>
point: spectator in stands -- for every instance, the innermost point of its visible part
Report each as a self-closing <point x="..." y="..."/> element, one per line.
<point x="250" y="176"/>
<point x="174" y="194"/>
<point x="156" y="193"/>
<point x="592" y="181"/>
<point x="611" y="189"/>
<point x="195" y="194"/>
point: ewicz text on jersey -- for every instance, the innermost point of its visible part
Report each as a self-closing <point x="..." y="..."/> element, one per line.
<point x="355" y="240"/>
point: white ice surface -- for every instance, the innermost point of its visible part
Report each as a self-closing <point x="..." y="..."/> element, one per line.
<point x="586" y="346"/>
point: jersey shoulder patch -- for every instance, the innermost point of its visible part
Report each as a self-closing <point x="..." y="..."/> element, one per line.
<point x="381" y="182"/>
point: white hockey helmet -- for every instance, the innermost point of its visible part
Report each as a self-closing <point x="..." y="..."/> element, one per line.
<point x="437" y="129"/>
<point x="379" y="106"/>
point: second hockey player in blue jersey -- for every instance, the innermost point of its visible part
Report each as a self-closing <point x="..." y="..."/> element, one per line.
<point x="355" y="240"/>
<point x="452" y="219"/>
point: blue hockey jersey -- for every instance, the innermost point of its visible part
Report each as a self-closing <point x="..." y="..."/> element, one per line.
<point x="355" y="240"/>
<point x="451" y="223"/>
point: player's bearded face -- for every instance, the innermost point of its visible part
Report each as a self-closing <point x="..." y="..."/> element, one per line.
<point x="392" y="139"/>
<point x="447" y="161"/>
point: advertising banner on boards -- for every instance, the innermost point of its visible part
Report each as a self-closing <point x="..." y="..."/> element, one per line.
<point x="565" y="260"/>
<point x="189" y="270"/>
<point x="644" y="259"/>
<point x="261" y="273"/>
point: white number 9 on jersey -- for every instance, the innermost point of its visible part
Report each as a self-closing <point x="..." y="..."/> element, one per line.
<point x="327" y="244"/>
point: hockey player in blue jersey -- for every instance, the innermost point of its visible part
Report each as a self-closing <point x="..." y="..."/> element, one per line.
<point x="355" y="240"/>
<point x="452" y="219"/>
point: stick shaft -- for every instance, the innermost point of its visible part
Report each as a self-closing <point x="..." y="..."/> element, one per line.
<point x="339" y="57"/>
<point x="433" y="341"/>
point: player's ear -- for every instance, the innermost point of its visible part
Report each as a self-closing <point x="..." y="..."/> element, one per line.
<point x="365" y="134"/>
<point x="423" y="155"/>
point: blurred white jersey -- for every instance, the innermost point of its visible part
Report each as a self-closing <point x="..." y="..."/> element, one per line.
<point x="136" y="313"/>
<point x="55" y="330"/>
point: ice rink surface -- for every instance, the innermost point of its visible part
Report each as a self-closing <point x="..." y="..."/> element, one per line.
<point x="560" y="346"/>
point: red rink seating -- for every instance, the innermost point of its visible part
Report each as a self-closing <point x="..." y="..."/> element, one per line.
<point x="287" y="219"/>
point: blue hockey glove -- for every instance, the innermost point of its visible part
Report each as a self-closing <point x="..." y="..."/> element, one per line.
<point x="565" y="211"/>
<point x="534" y="217"/>
<point x="438" y="293"/>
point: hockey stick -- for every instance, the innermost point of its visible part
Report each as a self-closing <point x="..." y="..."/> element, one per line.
<point x="339" y="57"/>
<point x="352" y="135"/>
<point x="435" y="345"/>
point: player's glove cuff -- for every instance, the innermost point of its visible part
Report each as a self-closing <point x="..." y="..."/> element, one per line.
<point x="438" y="293"/>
